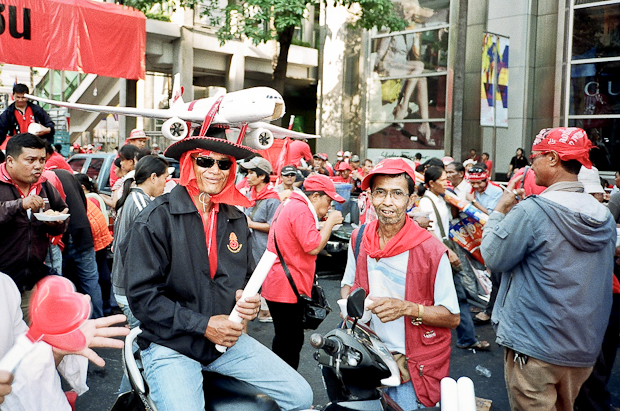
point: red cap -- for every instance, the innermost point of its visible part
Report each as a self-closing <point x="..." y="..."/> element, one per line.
<point x="319" y="182"/>
<point x="570" y="143"/>
<point x="344" y="166"/>
<point x="389" y="166"/>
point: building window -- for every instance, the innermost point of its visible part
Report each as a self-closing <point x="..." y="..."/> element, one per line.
<point x="593" y="88"/>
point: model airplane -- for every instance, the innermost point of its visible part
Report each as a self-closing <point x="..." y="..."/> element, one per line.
<point x="239" y="111"/>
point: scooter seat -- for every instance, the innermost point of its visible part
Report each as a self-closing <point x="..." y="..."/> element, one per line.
<point x="223" y="393"/>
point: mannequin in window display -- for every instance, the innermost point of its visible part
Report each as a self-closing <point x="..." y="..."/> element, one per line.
<point x="400" y="56"/>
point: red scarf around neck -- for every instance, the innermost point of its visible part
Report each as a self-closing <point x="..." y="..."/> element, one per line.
<point x="410" y="236"/>
<point x="266" y="192"/>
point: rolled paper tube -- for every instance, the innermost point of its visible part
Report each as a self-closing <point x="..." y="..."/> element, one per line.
<point x="449" y="395"/>
<point x="466" y="207"/>
<point x="253" y="285"/>
<point x="467" y="397"/>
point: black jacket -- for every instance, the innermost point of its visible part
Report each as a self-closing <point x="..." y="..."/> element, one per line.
<point x="9" y="125"/>
<point x="23" y="240"/>
<point x="79" y="227"/>
<point x="169" y="286"/>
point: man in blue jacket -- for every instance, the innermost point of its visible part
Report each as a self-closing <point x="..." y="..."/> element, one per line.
<point x="556" y="254"/>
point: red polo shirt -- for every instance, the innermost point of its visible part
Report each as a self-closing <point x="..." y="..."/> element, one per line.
<point x="295" y="229"/>
<point x="297" y="150"/>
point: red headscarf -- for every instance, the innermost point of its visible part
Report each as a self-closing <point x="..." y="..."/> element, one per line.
<point x="410" y="236"/>
<point x="477" y="176"/>
<point x="229" y="195"/>
<point x="570" y="143"/>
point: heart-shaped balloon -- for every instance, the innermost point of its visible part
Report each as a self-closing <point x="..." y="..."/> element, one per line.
<point x="56" y="313"/>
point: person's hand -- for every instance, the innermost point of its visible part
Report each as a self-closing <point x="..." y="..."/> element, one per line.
<point x="222" y="331"/>
<point x="99" y="333"/>
<point x="388" y="309"/>
<point x="470" y="197"/>
<point x="33" y="202"/>
<point x="249" y="307"/>
<point x="43" y="131"/>
<point x="58" y="223"/>
<point x="510" y="198"/>
<point x="454" y="259"/>
<point x="423" y="221"/>
<point x="6" y="379"/>
<point x="335" y="217"/>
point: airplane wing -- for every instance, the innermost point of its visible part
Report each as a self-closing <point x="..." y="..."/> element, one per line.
<point x="280" y="132"/>
<point x="128" y="111"/>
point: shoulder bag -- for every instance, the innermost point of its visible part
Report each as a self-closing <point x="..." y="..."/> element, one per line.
<point x="315" y="308"/>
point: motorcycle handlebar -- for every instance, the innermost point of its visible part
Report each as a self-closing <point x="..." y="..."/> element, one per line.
<point x="329" y="345"/>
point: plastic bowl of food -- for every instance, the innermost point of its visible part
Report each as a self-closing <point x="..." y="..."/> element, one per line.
<point x="51" y="215"/>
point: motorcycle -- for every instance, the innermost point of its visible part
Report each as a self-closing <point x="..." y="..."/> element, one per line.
<point x="222" y="393"/>
<point x="355" y="363"/>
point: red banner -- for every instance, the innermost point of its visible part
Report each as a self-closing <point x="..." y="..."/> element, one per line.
<point x="76" y="35"/>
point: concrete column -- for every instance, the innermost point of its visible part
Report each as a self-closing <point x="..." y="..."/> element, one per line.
<point x="183" y="52"/>
<point x="126" y="98"/>
<point x="236" y="71"/>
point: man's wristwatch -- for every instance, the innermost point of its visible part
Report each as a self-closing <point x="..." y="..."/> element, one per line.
<point x="418" y="319"/>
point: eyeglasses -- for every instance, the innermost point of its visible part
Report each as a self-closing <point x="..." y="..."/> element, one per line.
<point x="397" y="195"/>
<point x="476" y="170"/>
<point x="208" y="162"/>
<point x="533" y="156"/>
<point x="289" y="175"/>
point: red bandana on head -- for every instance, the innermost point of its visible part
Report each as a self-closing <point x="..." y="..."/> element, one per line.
<point x="229" y="195"/>
<point x="481" y="176"/>
<point x="570" y="143"/>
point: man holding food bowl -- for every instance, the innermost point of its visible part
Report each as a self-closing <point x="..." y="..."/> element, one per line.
<point x="24" y="197"/>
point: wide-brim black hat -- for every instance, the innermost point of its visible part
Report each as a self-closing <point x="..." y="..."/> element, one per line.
<point x="215" y="141"/>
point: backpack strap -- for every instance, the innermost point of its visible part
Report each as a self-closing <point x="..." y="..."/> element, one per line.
<point x="358" y="240"/>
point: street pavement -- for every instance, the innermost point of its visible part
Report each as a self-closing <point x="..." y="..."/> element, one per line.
<point x="104" y="382"/>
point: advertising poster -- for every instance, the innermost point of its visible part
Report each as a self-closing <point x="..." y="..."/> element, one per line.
<point x="406" y="97"/>
<point x="494" y="81"/>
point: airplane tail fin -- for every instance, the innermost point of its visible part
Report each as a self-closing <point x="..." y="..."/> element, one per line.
<point x="177" y="91"/>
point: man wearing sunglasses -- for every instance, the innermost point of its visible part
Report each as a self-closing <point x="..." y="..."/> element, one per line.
<point x="485" y="195"/>
<point x="187" y="258"/>
<point x="555" y="251"/>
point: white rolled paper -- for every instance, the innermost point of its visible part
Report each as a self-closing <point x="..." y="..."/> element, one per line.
<point x="254" y="284"/>
<point x="467" y="396"/>
<point x="449" y="395"/>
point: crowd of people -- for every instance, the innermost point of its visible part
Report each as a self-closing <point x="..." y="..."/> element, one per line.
<point x="183" y="252"/>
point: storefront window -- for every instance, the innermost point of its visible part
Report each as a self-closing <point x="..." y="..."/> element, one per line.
<point x="595" y="32"/>
<point x="594" y="96"/>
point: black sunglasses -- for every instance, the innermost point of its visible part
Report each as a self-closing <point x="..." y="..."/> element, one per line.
<point x="208" y="162"/>
<point x="289" y="174"/>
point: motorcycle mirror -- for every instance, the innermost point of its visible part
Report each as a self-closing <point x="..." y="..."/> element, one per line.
<point x="355" y="303"/>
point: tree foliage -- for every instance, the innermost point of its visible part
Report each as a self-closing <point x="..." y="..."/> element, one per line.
<point x="263" y="20"/>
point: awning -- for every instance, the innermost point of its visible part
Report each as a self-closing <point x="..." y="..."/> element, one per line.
<point x="76" y="35"/>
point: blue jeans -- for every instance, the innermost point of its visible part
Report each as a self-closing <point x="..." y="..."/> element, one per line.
<point x="133" y="323"/>
<point x="176" y="381"/>
<point x="53" y="258"/>
<point x="465" y="332"/>
<point x="404" y="396"/>
<point x="87" y="274"/>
